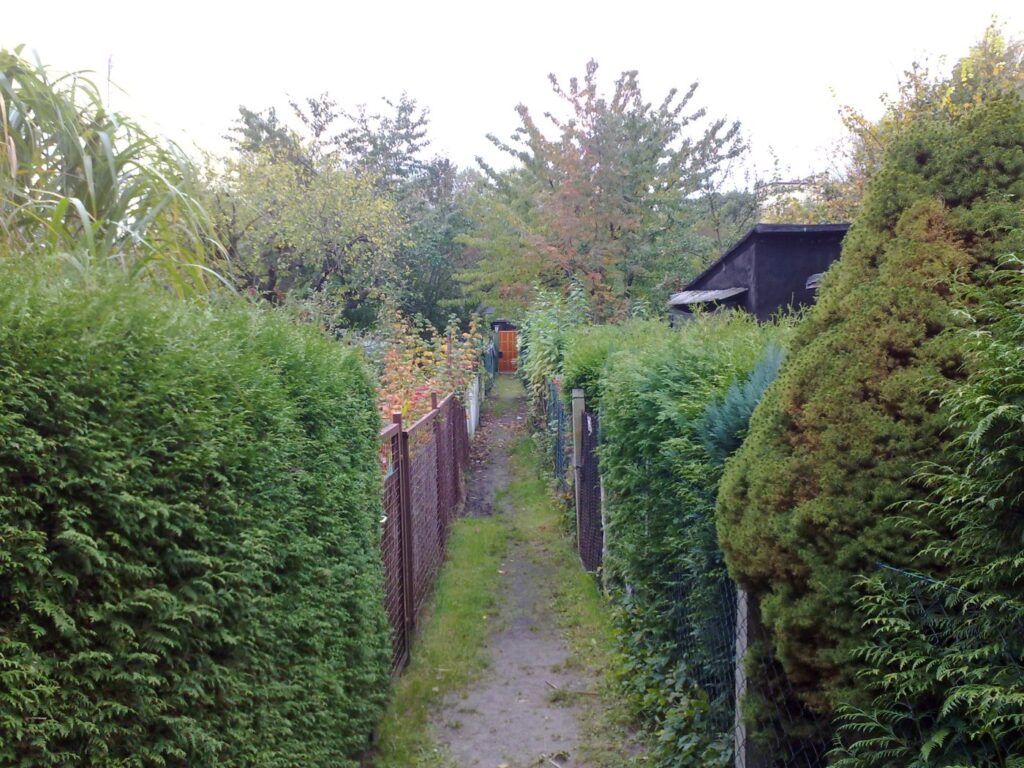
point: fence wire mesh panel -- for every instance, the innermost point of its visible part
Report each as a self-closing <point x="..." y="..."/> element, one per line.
<point x="773" y="728"/>
<point x="423" y="488"/>
<point x="424" y="511"/>
<point x="391" y="542"/>
<point x="590" y="533"/>
<point x="559" y="429"/>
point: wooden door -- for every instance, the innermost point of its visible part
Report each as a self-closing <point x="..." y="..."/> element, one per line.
<point x="509" y="350"/>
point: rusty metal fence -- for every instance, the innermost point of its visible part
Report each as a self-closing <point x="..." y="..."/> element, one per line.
<point x="423" y="490"/>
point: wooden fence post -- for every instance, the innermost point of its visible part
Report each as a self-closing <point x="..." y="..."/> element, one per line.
<point x="405" y="521"/>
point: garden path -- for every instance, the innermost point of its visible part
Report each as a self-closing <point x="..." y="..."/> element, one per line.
<point x="528" y="708"/>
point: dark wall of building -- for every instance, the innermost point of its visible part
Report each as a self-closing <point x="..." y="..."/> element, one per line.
<point x="737" y="270"/>
<point x="783" y="262"/>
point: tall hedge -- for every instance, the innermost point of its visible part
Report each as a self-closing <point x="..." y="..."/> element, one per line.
<point x="663" y="564"/>
<point x="945" y="661"/>
<point x="189" y="503"/>
<point x="588" y="347"/>
<point x="806" y="504"/>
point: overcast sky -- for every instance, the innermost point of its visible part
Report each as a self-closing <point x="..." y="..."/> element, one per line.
<point x="781" y="68"/>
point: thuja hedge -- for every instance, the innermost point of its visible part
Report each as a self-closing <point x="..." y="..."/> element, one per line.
<point x="588" y="347"/>
<point x="945" y="661"/>
<point x="189" y="502"/>
<point x="663" y="565"/>
<point x="806" y="505"/>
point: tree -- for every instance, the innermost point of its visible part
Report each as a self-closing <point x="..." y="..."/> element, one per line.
<point x="605" y="201"/>
<point x="389" y="148"/>
<point x="298" y="225"/>
<point x="995" y="65"/>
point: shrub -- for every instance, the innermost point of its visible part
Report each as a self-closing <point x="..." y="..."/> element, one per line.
<point x="944" y="661"/>
<point x="189" y="502"/>
<point x="802" y="507"/>
<point x="588" y="347"/>
<point x="541" y="336"/>
<point x="663" y="562"/>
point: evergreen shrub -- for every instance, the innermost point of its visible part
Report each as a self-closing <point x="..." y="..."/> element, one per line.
<point x="189" y="504"/>
<point x="944" y="664"/>
<point x="805" y="505"/>
<point x="588" y="347"/>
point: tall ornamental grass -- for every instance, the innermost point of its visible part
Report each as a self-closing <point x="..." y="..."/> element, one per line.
<point x="93" y="185"/>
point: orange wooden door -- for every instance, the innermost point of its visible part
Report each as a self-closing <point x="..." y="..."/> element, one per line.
<point x="509" y="351"/>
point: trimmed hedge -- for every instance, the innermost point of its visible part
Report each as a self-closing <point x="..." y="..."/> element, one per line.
<point x="805" y="505"/>
<point x="663" y="565"/>
<point x="588" y="347"/>
<point x="189" y="503"/>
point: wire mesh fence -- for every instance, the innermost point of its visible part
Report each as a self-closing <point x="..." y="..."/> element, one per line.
<point x="722" y="654"/>
<point x="590" y="527"/>
<point x="423" y="489"/>
<point x="559" y="429"/>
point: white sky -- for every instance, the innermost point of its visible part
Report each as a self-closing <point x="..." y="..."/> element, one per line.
<point x="781" y="67"/>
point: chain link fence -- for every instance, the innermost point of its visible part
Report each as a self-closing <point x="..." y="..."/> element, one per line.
<point x="423" y="490"/>
<point x="559" y="426"/>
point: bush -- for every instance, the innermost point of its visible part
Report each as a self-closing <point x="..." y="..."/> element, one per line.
<point x="541" y="338"/>
<point x="189" y="502"/>
<point x="803" y="506"/>
<point x="663" y="564"/>
<point x="588" y="347"/>
<point x="944" y="662"/>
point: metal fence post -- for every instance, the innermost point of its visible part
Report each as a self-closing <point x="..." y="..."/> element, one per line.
<point x="578" y="406"/>
<point x="405" y="517"/>
<point x="746" y="754"/>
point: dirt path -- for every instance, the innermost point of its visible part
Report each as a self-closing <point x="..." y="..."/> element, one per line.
<point x="526" y="710"/>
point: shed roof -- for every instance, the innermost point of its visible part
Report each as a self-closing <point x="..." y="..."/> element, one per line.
<point x="684" y="298"/>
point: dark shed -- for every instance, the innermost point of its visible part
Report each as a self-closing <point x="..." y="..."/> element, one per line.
<point x="772" y="267"/>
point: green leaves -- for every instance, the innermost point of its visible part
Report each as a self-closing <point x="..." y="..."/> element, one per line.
<point x="663" y="563"/>
<point x="77" y="179"/>
<point x="812" y="499"/>
<point x="189" y="506"/>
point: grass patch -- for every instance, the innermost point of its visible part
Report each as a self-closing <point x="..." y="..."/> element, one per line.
<point x="449" y="650"/>
<point x="507" y="393"/>
<point x="608" y="738"/>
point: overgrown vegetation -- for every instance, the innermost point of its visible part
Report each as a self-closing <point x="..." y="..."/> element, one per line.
<point x="944" y="660"/>
<point x="93" y="186"/>
<point x="189" y="511"/>
<point x="663" y="564"/>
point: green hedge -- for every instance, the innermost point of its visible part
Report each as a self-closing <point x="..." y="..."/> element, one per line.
<point x="945" y="661"/>
<point x="588" y="347"/>
<point x="189" y="503"/>
<point x="663" y="565"/>
<point x="806" y="504"/>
